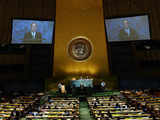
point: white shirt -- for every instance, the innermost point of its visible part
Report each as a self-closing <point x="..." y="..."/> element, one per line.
<point x="34" y="34"/>
<point x="59" y="85"/>
<point x="127" y="31"/>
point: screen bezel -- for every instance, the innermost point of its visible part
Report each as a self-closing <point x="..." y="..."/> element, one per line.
<point x="35" y="19"/>
<point x="127" y="16"/>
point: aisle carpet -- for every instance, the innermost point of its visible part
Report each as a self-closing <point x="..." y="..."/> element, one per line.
<point x="84" y="111"/>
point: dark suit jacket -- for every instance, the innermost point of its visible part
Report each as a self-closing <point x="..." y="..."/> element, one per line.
<point x="28" y="37"/>
<point x="124" y="36"/>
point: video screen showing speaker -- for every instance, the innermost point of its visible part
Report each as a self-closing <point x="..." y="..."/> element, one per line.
<point x="32" y="31"/>
<point x="128" y="28"/>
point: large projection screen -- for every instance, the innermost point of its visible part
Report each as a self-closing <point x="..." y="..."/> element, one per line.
<point x="32" y="31"/>
<point x="128" y="28"/>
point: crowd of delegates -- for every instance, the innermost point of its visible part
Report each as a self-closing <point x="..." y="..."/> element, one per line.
<point x="57" y="109"/>
<point x="14" y="106"/>
<point x="145" y="100"/>
<point x="127" y="105"/>
<point x="30" y="107"/>
<point x="116" y="107"/>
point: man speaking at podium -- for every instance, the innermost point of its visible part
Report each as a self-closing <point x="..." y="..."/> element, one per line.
<point x="127" y="33"/>
<point x="33" y="35"/>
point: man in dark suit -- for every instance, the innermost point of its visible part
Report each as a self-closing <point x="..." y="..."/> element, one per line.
<point x="33" y="35"/>
<point x="127" y="33"/>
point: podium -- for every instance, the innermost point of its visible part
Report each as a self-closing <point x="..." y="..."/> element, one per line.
<point x="31" y="41"/>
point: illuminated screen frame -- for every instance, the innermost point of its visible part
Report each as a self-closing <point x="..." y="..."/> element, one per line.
<point x="126" y="17"/>
<point x="37" y="20"/>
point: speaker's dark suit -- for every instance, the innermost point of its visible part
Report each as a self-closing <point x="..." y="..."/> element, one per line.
<point x="29" y="37"/>
<point x="124" y="35"/>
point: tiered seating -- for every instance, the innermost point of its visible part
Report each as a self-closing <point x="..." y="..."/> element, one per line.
<point x="57" y="109"/>
<point x="17" y="107"/>
<point x="115" y="108"/>
<point x="146" y="101"/>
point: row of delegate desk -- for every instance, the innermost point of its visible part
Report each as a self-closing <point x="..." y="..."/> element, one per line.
<point x="145" y="100"/>
<point x="57" y="109"/>
<point x="115" y="108"/>
<point x="17" y="107"/>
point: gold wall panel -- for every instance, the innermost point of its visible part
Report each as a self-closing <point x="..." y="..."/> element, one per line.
<point x="80" y="18"/>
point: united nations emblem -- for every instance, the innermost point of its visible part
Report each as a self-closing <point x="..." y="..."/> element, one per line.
<point x="80" y="49"/>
